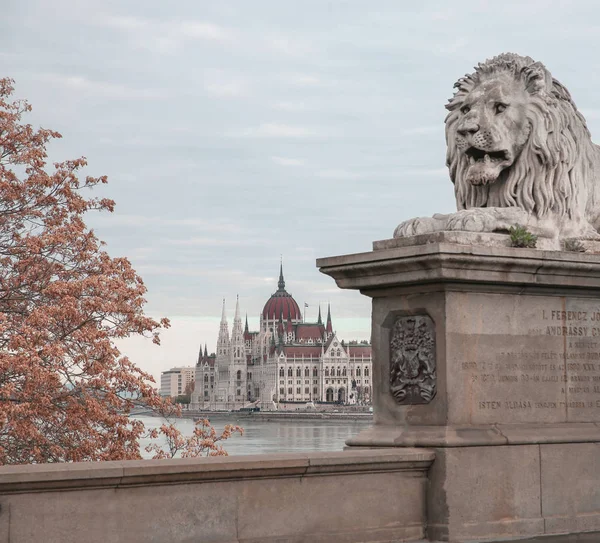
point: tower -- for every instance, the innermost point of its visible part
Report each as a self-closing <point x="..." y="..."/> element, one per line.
<point x="223" y="342"/>
<point x="222" y="368"/>
<point x="238" y="357"/>
<point x="328" y="326"/>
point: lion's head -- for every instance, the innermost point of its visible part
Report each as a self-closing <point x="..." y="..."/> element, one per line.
<point x="515" y="138"/>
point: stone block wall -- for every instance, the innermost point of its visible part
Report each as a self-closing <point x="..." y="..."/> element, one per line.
<point x="350" y="497"/>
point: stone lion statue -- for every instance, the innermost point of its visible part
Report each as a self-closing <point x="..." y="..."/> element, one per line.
<point x="518" y="152"/>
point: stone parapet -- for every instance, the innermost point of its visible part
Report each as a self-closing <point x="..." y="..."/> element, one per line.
<point x="352" y="496"/>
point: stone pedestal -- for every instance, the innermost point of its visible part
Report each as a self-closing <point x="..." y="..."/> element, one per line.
<point x="491" y="356"/>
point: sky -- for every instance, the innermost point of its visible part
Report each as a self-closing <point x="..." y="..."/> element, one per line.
<point x="236" y="133"/>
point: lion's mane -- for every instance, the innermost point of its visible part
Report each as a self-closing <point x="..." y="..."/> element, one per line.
<point x="551" y="174"/>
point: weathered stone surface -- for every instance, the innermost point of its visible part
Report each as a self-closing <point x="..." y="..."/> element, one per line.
<point x="484" y="492"/>
<point x="517" y="338"/>
<point x="519" y="153"/>
<point x="350" y="497"/>
<point x="517" y="334"/>
<point x="570" y="489"/>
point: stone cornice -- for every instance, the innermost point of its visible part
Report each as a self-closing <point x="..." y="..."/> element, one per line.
<point x="394" y="263"/>
<point x="86" y="475"/>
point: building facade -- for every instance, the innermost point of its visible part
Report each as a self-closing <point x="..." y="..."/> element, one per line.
<point x="286" y="362"/>
<point x="176" y="381"/>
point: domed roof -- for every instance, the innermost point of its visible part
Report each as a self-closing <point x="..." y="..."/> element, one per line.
<point x="281" y="302"/>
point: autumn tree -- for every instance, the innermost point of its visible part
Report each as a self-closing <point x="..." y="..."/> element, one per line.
<point x="204" y="441"/>
<point x="65" y="389"/>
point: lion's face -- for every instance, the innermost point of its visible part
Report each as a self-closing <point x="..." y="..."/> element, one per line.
<point x="492" y="128"/>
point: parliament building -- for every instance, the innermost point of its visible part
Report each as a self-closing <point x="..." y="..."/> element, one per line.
<point x="285" y="364"/>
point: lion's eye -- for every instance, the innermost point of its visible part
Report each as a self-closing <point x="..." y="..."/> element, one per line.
<point x="465" y="109"/>
<point x="500" y="107"/>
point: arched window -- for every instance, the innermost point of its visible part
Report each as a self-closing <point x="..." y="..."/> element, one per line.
<point x="281" y="391"/>
<point x="343" y="372"/>
<point x="306" y="372"/>
<point x="339" y="372"/>
<point x="339" y="353"/>
<point x="326" y="371"/>
<point x="315" y="372"/>
<point x="239" y="375"/>
<point x="298" y="372"/>
<point x="366" y="371"/>
<point x="329" y="395"/>
<point x="281" y="372"/>
<point x="358" y="371"/>
<point x="206" y="378"/>
<point x="290" y="372"/>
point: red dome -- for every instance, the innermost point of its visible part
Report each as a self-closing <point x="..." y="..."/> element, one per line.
<point x="281" y="303"/>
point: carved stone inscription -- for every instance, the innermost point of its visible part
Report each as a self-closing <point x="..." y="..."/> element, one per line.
<point x="535" y="360"/>
<point x="412" y="360"/>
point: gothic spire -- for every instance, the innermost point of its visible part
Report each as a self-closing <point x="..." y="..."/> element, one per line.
<point x="246" y="327"/>
<point x="329" y="327"/>
<point x="281" y="283"/>
<point x="320" y="321"/>
<point x="205" y="351"/>
<point x="237" y="309"/>
<point x="223" y="317"/>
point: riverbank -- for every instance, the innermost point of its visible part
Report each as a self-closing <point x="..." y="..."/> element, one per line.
<point x="272" y="416"/>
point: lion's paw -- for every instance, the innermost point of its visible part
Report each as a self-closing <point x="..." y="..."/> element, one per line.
<point x="414" y="227"/>
<point x="473" y="220"/>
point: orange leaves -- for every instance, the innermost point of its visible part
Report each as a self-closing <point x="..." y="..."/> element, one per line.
<point x="204" y="441"/>
<point x="65" y="391"/>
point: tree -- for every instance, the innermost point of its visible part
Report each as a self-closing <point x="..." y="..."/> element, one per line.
<point x="203" y="441"/>
<point x="65" y="389"/>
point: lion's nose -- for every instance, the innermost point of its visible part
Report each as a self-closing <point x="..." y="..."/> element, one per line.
<point x="468" y="128"/>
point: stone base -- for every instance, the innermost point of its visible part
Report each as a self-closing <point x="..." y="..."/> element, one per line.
<point x="493" y="493"/>
<point x="488" y="355"/>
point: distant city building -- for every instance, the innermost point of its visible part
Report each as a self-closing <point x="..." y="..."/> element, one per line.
<point x="175" y="381"/>
<point x="286" y="361"/>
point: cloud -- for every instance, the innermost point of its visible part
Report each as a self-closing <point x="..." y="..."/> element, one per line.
<point x="303" y="80"/>
<point x="201" y="30"/>
<point x="166" y="36"/>
<point x="283" y="161"/>
<point x="290" y="106"/>
<point x="225" y="85"/>
<point x="217" y="242"/>
<point x="83" y="86"/>
<point x="108" y="220"/>
<point x="338" y="174"/>
<point x="279" y="130"/>
<point x="426" y="171"/>
<point x="288" y="46"/>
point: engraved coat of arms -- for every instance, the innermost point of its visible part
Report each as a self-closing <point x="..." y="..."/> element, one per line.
<point x="412" y="360"/>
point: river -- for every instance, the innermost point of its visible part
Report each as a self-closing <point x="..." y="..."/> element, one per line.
<point x="262" y="437"/>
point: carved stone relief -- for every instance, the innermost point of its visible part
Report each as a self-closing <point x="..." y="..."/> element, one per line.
<point x="413" y="375"/>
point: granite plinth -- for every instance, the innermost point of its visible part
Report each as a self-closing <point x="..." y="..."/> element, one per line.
<point x="517" y="335"/>
<point x="510" y="402"/>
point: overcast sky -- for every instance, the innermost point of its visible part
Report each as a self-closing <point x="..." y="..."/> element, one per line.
<point x="234" y="132"/>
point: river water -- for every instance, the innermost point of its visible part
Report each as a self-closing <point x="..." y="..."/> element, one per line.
<point x="260" y="436"/>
